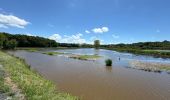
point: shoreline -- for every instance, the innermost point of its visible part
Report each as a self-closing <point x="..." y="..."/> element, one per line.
<point x="31" y="83"/>
<point x="152" y="53"/>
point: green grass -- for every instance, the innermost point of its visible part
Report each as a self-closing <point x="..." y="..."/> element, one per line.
<point x="158" y="50"/>
<point x="53" y="53"/>
<point x="3" y="87"/>
<point x="154" y="53"/>
<point x="85" y="57"/>
<point x="30" y="49"/>
<point x="165" y="68"/>
<point x="33" y="85"/>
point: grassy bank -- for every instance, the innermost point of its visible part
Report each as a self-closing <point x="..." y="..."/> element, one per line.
<point x="154" y="53"/>
<point x="4" y="89"/>
<point x="34" y="86"/>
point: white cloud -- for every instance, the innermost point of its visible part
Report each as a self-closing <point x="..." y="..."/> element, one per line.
<point x="100" y="30"/>
<point x="12" y="21"/>
<point x="87" y="31"/>
<point x="77" y="38"/>
<point x="115" y="36"/>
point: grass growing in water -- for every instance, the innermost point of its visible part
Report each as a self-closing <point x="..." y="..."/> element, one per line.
<point x="85" y="57"/>
<point x="108" y="62"/>
<point x="30" y="49"/>
<point x="34" y="86"/>
<point x="53" y="53"/>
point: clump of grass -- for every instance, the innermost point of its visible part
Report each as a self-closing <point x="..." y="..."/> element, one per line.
<point x="34" y="86"/>
<point x="53" y="53"/>
<point x="108" y="62"/>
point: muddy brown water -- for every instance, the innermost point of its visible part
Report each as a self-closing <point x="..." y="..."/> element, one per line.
<point x="93" y="81"/>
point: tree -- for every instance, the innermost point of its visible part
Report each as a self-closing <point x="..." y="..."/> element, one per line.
<point x="9" y="44"/>
<point x="2" y="39"/>
<point x="96" y="44"/>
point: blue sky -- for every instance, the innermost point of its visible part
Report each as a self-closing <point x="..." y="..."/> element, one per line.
<point x="79" y="21"/>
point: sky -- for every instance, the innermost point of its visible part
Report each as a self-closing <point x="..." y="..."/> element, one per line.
<point x="83" y="21"/>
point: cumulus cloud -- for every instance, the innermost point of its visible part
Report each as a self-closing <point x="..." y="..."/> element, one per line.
<point x="12" y="21"/>
<point x="100" y="30"/>
<point x="87" y="31"/>
<point x="77" y="38"/>
<point x="115" y="36"/>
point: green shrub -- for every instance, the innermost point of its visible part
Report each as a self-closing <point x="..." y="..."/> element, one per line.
<point x="108" y="62"/>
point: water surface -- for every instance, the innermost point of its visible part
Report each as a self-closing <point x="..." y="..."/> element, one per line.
<point x="93" y="81"/>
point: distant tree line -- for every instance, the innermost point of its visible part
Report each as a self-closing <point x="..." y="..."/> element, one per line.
<point x="164" y="45"/>
<point x="10" y="41"/>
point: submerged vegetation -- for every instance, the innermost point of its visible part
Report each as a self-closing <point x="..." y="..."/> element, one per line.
<point x="85" y="57"/>
<point x="53" y="53"/>
<point x="108" y="62"/>
<point x="150" y="67"/>
<point x="30" y="49"/>
<point x="74" y="56"/>
<point x="33" y="85"/>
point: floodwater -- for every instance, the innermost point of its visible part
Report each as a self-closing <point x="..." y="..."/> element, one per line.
<point x="91" y="80"/>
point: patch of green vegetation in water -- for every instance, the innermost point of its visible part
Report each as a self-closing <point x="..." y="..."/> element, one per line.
<point x="53" y="53"/>
<point x="165" y="68"/>
<point x="30" y="49"/>
<point x="85" y="57"/>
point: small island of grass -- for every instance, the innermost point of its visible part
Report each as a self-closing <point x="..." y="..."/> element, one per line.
<point x="53" y="53"/>
<point x="85" y="57"/>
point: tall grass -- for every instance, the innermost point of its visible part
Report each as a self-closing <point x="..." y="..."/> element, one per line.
<point x="33" y="85"/>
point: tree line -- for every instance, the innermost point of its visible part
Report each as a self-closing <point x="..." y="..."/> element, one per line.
<point x="164" y="45"/>
<point x="10" y="41"/>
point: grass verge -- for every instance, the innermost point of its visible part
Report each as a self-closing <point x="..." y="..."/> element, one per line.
<point x="34" y="86"/>
<point x="3" y="87"/>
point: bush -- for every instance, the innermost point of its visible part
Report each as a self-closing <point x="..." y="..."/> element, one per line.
<point x="108" y="62"/>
